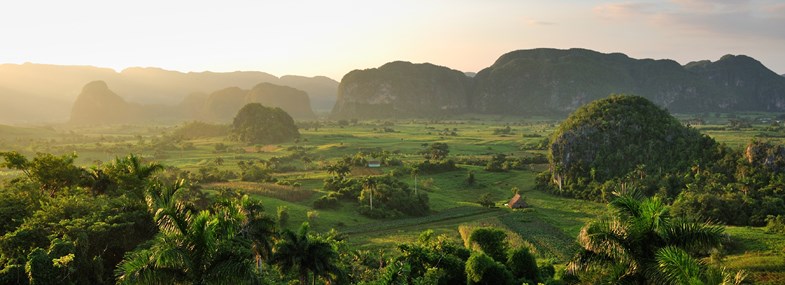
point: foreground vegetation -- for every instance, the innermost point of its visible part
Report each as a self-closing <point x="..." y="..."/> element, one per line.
<point x="321" y="178"/>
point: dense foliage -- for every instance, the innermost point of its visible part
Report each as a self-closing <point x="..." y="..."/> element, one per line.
<point x="196" y="129"/>
<point x="257" y="124"/>
<point x="637" y="242"/>
<point x="740" y="188"/>
<point x="70" y="225"/>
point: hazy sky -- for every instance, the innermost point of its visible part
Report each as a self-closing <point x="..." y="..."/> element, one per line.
<point x="334" y="37"/>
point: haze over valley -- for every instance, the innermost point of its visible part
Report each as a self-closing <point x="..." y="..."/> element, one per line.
<point x="404" y="142"/>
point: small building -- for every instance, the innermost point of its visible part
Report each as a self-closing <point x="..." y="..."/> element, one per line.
<point x="517" y="202"/>
<point x="374" y="164"/>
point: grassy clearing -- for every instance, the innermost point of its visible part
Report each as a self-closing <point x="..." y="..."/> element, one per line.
<point x="281" y="192"/>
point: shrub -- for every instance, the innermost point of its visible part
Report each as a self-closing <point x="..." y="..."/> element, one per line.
<point x="329" y="201"/>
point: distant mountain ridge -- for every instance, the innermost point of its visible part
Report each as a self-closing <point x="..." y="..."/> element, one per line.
<point x="553" y="81"/>
<point x="97" y="104"/>
<point x="52" y="88"/>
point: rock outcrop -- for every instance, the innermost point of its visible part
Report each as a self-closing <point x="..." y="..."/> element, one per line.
<point x="222" y="105"/>
<point x="621" y="136"/>
<point x="96" y="104"/>
<point x="557" y="82"/>
<point x="748" y="85"/>
<point x="402" y="89"/>
<point x="293" y="101"/>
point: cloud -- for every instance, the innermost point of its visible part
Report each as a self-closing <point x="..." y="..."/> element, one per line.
<point x="532" y="22"/>
<point x="736" y="18"/>
<point x="622" y="10"/>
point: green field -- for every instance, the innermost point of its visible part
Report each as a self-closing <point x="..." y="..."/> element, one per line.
<point x="549" y="226"/>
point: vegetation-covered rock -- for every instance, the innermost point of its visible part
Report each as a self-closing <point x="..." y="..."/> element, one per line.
<point x="402" y="89"/>
<point x="97" y="104"/>
<point x="552" y="81"/>
<point x="295" y="102"/>
<point x="617" y="137"/>
<point x="749" y="84"/>
<point x="222" y="104"/>
<point x="257" y="124"/>
<point x="548" y="81"/>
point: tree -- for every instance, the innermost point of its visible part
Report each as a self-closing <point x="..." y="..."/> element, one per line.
<point x="257" y="124"/>
<point x="339" y="169"/>
<point x="432" y="253"/>
<point x="130" y="174"/>
<point x="486" y="201"/>
<point x="630" y="242"/>
<point x="192" y="247"/>
<point x="304" y="253"/>
<point x="283" y="216"/>
<point x="51" y="172"/>
<point x="491" y="241"/>
<point x="415" y="172"/>
<point x="436" y="151"/>
<point x="482" y="269"/>
<point x="255" y="225"/>
<point x="470" y="180"/>
<point x="523" y="265"/>
<point x="369" y="185"/>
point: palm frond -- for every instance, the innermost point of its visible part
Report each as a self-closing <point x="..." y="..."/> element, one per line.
<point x="626" y="206"/>
<point x="676" y="266"/>
<point x="693" y="236"/>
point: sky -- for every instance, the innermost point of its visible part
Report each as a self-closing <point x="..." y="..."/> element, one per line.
<point x="333" y="37"/>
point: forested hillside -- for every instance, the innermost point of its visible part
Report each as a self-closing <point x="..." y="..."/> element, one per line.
<point x="551" y="82"/>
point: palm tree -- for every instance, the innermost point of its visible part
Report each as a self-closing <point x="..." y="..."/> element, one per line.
<point x="130" y="174"/>
<point x="97" y="180"/>
<point x="255" y="225"/>
<point x="415" y="172"/>
<point x="629" y="244"/>
<point x="132" y="165"/>
<point x="370" y="184"/>
<point x="304" y="253"/>
<point x="191" y="247"/>
<point x="676" y="266"/>
<point x="339" y="169"/>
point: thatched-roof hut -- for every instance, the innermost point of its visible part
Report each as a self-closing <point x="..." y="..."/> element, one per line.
<point x="517" y="202"/>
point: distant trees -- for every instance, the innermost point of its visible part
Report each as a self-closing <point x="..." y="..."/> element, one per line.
<point x="391" y="198"/>
<point x="257" y="124"/>
<point x="193" y="130"/>
<point x="436" y="151"/>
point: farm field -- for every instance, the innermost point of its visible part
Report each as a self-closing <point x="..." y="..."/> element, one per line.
<point x="549" y="226"/>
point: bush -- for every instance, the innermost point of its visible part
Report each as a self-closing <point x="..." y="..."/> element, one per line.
<point x="429" y="166"/>
<point x="775" y="224"/>
<point x="491" y="241"/>
<point x="523" y="265"/>
<point x="482" y="269"/>
<point x="329" y="201"/>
